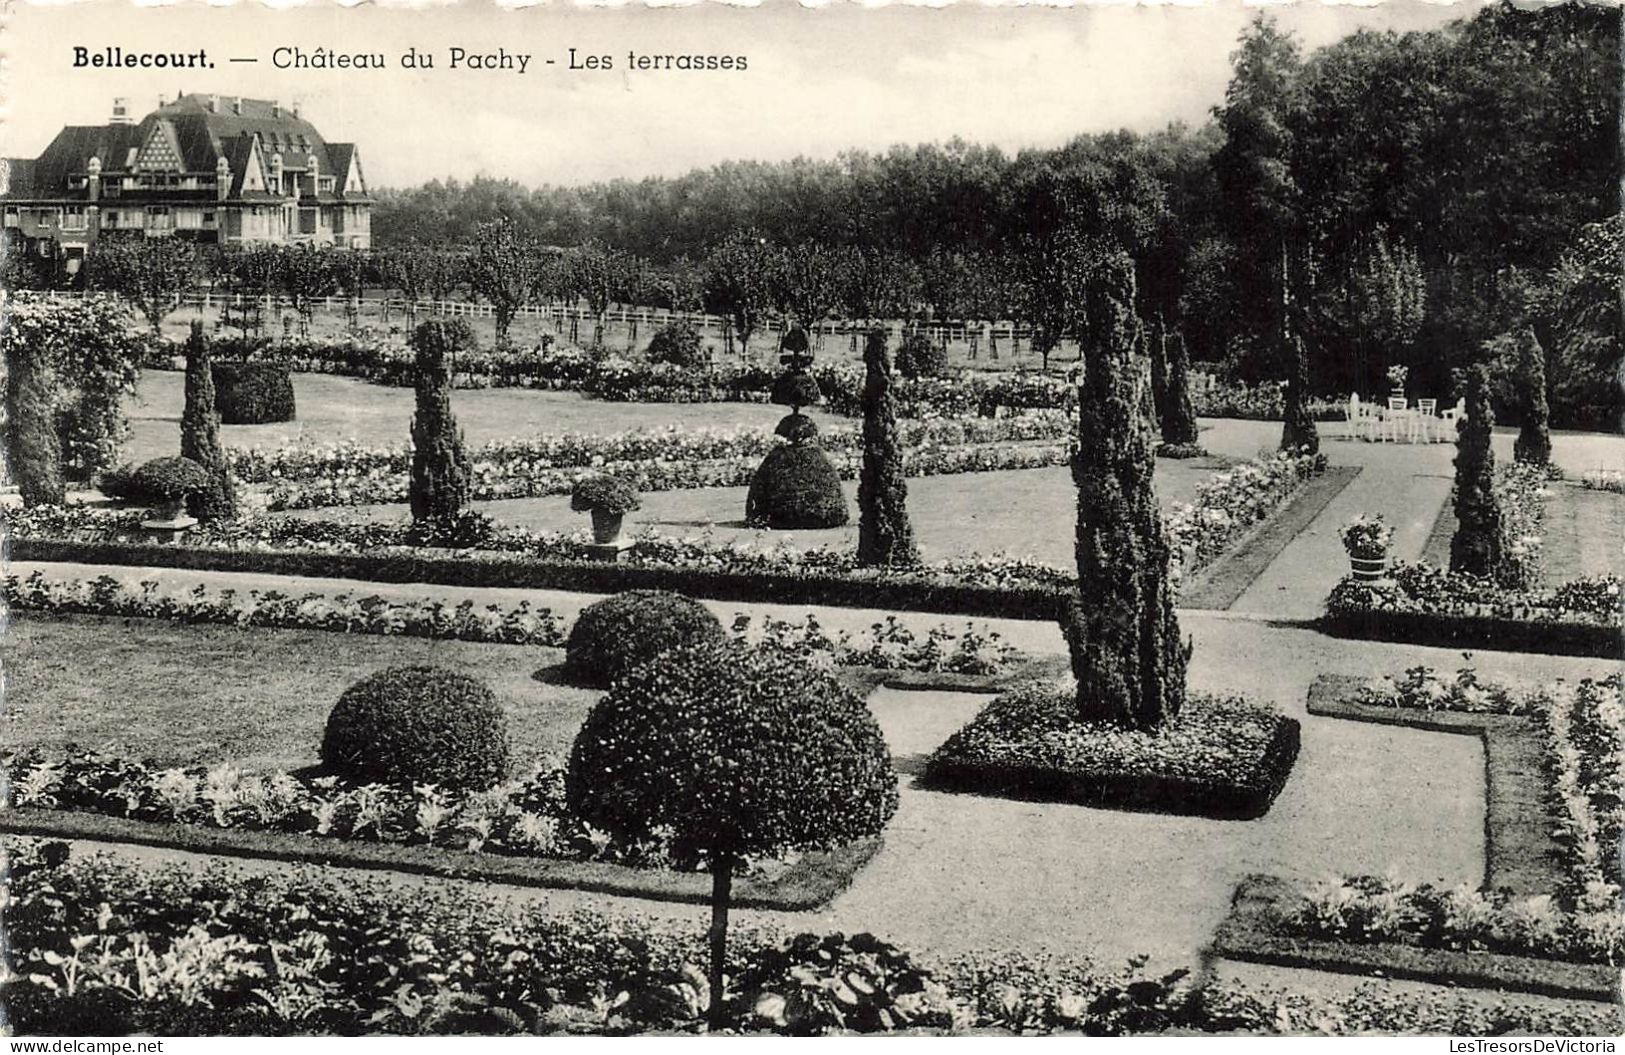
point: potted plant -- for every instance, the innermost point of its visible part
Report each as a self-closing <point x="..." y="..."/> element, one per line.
<point x="1366" y="539"/>
<point x="166" y="482"/>
<point x="608" y="499"/>
<point x="1396" y="378"/>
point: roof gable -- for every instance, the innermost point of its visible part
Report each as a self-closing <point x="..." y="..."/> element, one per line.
<point x="161" y="152"/>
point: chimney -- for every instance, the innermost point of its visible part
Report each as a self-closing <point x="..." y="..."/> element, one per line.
<point x="121" y="111"/>
<point x="276" y="174"/>
<point x="296" y="108"/>
<point x="214" y="104"/>
<point x="237" y="105"/>
<point x="276" y="109"/>
<point x="315" y="169"/>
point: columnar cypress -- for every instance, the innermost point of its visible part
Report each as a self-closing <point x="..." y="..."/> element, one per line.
<point x="1178" y="413"/>
<point x="885" y="537"/>
<point x="1476" y="546"/>
<point x="1534" y="443"/>
<point x="1158" y="350"/>
<point x="1120" y="626"/>
<point x="441" y="473"/>
<point x="33" y="447"/>
<point x="200" y="433"/>
<point x="1297" y="426"/>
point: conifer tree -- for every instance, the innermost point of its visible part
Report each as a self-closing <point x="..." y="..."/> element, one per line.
<point x="441" y="473"/>
<point x="1157" y="348"/>
<point x="1298" y="432"/>
<point x="200" y="433"/>
<point x="1178" y="413"/>
<point x="34" y="451"/>
<point x="1120" y="626"/>
<point x="1476" y="546"/>
<point x="1534" y="443"/>
<point x="885" y="537"/>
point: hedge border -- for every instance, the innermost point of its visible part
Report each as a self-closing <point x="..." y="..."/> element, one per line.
<point x="1493" y="632"/>
<point x="1251" y="933"/>
<point x="581" y="576"/>
<point x="1220" y="585"/>
<point x="1149" y="793"/>
<point x="811" y="883"/>
<point x="1520" y="854"/>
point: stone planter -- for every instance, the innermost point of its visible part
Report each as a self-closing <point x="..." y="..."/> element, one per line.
<point x="1369" y="569"/>
<point x="606" y="526"/>
<point x="169" y="520"/>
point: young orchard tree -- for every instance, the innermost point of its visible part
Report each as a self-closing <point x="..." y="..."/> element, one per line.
<point x="1120" y="625"/>
<point x="808" y="285"/>
<point x="306" y="274"/>
<point x="200" y="434"/>
<point x="736" y="753"/>
<point x="1298" y="432"/>
<point x="740" y="283"/>
<point x="151" y="273"/>
<point x="885" y="537"/>
<point x="441" y="473"/>
<point x="505" y="270"/>
<point x="1476" y="546"/>
<point x="598" y="274"/>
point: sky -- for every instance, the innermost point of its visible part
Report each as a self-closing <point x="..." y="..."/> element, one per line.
<point x="817" y="81"/>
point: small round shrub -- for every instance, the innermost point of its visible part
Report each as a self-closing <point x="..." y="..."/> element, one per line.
<point x="467" y="529"/>
<point x="736" y="751"/>
<point x="796" y="488"/>
<point x="919" y="356"/>
<point x="796" y="388"/>
<point x="118" y="483"/>
<point x="253" y="393"/>
<point x="608" y="493"/>
<point x="797" y="428"/>
<point x="166" y="479"/>
<point x="418" y="725"/>
<point x="678" y="344"/>
<point x="615" y="636"/>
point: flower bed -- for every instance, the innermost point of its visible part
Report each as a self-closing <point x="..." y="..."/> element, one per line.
<point x="313" y="951"/>
<point x="1604" y="480"/>
<point x="1218" y="757"/>
<point x="1423" y="605"/>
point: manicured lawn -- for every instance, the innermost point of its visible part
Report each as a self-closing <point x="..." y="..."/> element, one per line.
<point x="1017" y="512"/>
<point x="260" y="698"/>
<point x="1583" y="532"/>
<point x="339" y="408"/>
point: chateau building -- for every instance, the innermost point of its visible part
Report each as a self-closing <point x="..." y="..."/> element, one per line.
<point x="211" y="168"/>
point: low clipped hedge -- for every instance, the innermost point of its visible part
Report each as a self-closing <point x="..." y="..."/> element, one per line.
<point x="418" y="725"/>
<point x="796" y="488"/>
<point x="258" y="393"/>
<point x="615" y="636"/>
<point x="1220" y="757"/>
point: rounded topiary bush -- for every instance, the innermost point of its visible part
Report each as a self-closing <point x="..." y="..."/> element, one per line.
<point x="165" y="479"/>
<point x="253" y="393"/>
<point x="796" y="488"/>
<point x="797" y="428"/>
<point x="418" y="725"/>
<point x="678" y="344"/>
<point x="796" y="389"/>
<point x="736" y="751"/>
<point x="920" y="356"/>
<point x="614" y="636"/>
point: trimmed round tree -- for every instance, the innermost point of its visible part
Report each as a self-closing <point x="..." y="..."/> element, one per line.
<point x="1120" y="625"/>
<point x="1475" y="548"/>
<point x="418" y="725"/>
<point x="441" y="472"/>
<point x="1178" y="412"/>
<point x="737" y="753"/>
<point x="613" y="636"/>
<point x="1534" y="443"/>
<point x="33" y="448"/>
<point x="200" y="434"/>
<point x="885" y="537"/>
<point x="1298" y="432"/>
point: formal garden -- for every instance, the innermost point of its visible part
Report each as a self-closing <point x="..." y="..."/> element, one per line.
<point x="397" y="646"/>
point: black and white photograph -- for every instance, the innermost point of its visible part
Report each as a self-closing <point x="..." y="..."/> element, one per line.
<point x="812" y="519"/>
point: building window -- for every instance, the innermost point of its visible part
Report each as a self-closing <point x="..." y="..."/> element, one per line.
<point x="338" y="220"/>
<point x="158" y="218"/>
<point x="307" y="221"/>
<point x="73" y="218"/>
<point x="109" y="219"/>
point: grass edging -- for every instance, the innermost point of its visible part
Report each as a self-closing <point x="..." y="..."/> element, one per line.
<point x="1222" y="582"/>
<point x="1520" y="854"/>
<point x="1251" y="933"/>
<point x="1471" y="631"/>
<point x="1139" y="792"/>
<point x="810" y="883"/>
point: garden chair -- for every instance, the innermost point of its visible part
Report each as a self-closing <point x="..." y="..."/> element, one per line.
<point x="1448" y="420"/>
<point x="1396" y="423"/>
<point x="1427" y="417"/>
<point x="1355" y="416"/>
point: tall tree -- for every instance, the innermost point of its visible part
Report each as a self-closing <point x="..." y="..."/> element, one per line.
<point x="441" y="473"/>
<point x="885" y="536"/>
<point x="1298" y="432"/>
<point x="1121" y="627"/>
<point x="200" y="434"/>
<point x="1476" y="546"/>
<point x="151" y="273"/>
